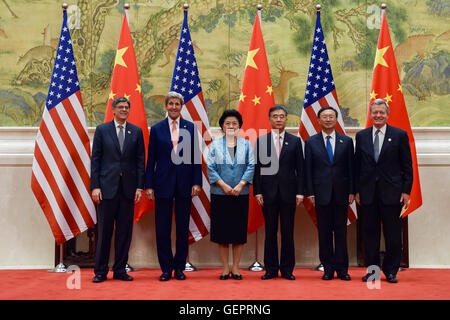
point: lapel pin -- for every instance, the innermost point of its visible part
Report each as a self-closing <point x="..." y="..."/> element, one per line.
<point x="286" y="143"/>
<point x="129" y="132"/>
<point x="340" y="140"/>
<point x="389" y="139"/>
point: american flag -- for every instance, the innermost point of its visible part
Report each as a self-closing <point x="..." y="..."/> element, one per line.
<point x="186" y="81"/>
<point x="320" y="92"/>
<point x="61" y="163"/>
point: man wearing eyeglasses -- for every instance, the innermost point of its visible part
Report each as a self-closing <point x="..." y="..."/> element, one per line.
<point x="329" y="159"/>
<point x="117" y="181"/>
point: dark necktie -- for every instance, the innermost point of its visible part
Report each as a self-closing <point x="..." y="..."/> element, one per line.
<point x="329" y="149"/>
<point x="376" y="146"/>
<point x="121" y="137"/>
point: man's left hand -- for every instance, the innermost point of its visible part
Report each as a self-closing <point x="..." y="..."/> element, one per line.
<point x="138" y="196"/>
<point x="196" y="190"/>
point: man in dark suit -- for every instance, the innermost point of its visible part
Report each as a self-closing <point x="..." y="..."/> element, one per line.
<point x="329" y="159"/>
<point x="117" y="181"/>
<point x="383" y="180"/>
<point x="173" y="174"/>
<point x="278" y="189"/>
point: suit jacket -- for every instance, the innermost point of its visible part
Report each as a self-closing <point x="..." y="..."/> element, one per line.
<point x="272" y="174"/>
<point x="393" y="171"/>
<point x="220" y="166"/>
<point x="108" y="164"/>
<point x="324" y="177"/>
<point x="165" y="173"/>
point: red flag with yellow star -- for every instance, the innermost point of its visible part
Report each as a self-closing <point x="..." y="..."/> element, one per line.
<point x="254" y="103"/>
<point x="386" y="85"/>
<point x="125" y="83"/>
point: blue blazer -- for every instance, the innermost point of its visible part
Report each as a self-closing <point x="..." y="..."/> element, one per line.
<point x="167" y="172"/>
<point x="108" y="164"/>
<point x="322" y="176"/>
<point x="221" y="167"/>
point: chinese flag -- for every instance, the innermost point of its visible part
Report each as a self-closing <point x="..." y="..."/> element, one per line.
<point x="125" y="83"/>
<point x="386" y="85"/>
<point x="255" y="100"/>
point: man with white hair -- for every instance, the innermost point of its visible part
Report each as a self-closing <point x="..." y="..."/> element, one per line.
<point x="383" y="181"/>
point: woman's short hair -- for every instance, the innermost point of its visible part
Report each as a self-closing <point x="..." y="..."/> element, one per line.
<point x="173" y="94"/>
<point x="230" y="113"/>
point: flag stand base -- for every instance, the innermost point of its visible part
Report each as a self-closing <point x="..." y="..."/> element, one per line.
<point x="256" y="266"/>
<point x="60" y="268"/>
<point x="129" y="268"/>
<point x="190" y="267"/>
<point x="318" y="268"/>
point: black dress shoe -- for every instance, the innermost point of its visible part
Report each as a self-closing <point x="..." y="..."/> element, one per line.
<point x="288" y="276"/>
<point x="345" y="277"/>
<point x="99" y="278"/>
<point x="391" y="278"/>
<point x="328" y="276"/>
<point x="224" y="276"/>
<point x="368" y="277"/>
<point x="268" y="276"/>
<point x="123" y="277"/>
<point x="165" y="276"/>
<point x="236" y="276"/>
<point x="179" y="275"/>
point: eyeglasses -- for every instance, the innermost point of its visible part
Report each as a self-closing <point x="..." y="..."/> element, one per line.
<point x="122" y="107"/>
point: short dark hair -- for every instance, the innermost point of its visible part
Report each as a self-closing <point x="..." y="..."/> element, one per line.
<point x="278" y="107"/>
<point x="230" y="113"/>
<point x="120" y="99"/>
<point x="327" y="108"/>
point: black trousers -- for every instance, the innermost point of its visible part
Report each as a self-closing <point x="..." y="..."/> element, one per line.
<point x="332" y="226"/>
<point x="117" y="212"/>
<point x="163" y="224"/>
<point x="372" y="217"/>
<point x="286" y="213"/>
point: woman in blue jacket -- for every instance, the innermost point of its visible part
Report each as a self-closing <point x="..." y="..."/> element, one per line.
<point x="230" y="171"/>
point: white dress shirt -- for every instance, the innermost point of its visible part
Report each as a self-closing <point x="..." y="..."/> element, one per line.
<point x="116" y="124"/>
<point x="381" y="135"/>
<point x="332" y="139"/>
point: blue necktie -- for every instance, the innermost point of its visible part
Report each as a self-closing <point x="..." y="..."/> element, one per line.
<point x="329" y="149"/>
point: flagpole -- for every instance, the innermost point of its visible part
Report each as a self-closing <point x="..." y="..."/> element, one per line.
<point x="126" y="7"/>
<point x="188" y="266"/>
<point x="320" y="266"/>
<point x="256" y="266"/>
<point x="61" y="267"/>
<point x="404" y="220"/>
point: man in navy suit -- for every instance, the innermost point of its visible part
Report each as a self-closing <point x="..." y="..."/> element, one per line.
<point x="278" y="188"/>
<point x="117" y="181"/>
<point x="173" y="174"/>
<point x="383" y="180"/>
<point x="329" y="158"/>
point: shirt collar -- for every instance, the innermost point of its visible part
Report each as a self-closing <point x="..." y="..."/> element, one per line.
<point x="382" y="130"/>
<point x="275" y="134"/>
<point x="116" y="124"/>
<point x="333" y="135"/>
<point x="171" y="121"/>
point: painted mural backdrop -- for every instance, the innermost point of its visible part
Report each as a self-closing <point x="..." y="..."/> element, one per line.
<point x="221" y="29"/>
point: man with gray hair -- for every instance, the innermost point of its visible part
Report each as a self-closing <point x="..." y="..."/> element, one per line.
<point x="117" y="181"/>
<point x="173" y="176"/>
<point x="383" y="182"/>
